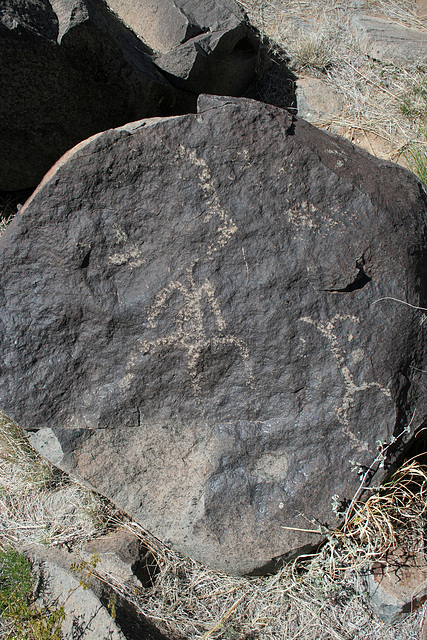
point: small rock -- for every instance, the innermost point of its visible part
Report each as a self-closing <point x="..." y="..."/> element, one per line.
<point x="85" y="616"/>
<point x="123" y="556"/>
<point x="83" y="582"/>
<point x="317" y="101"/>
<point x="421" y="9"/>
<point x="397" y="585"/>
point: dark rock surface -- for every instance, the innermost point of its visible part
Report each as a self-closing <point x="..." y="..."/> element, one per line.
<point x="203" y="45"/>
<point x="70" y="68"/>
<point x="165" y="24"/>
<point x="194" y="307"/>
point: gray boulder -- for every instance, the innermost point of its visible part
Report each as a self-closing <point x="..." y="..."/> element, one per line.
<point x="388" y="41"/>
<point x="200" y="313"/>
<point x="317" y="101"/>
<point x="70" y="68"/>
<point x="203" y="45"/>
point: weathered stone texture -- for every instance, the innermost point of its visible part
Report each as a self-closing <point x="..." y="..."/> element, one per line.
<point x="388" y="41"/>
<point x="72" y="68"/>
<point x="195" y="306"/>
<point x="316" y="100"/>
<point x="397" y="585"/>
<point x="82" y="582"/>
<point x="203" y="45"/>
<point x="165" y="24"/>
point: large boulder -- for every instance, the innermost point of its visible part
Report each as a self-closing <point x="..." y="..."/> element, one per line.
<point x="69" y="69"/>
<point x="389" y="41"/>
<point x="203" y="45"/>
<point x="202" y="314"/>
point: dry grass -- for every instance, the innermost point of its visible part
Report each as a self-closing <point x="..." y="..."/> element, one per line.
<point x="393" y="515"/>
<point x="307" y="600"/>
<point x="38" y="502"/>
<point x="10" y="203"/>
<point x="317" y="598"/>
<point x="385" y="104"/>
<point x="7" y="211"/>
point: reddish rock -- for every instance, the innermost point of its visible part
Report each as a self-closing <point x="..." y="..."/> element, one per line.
<point x="398" y="585"/>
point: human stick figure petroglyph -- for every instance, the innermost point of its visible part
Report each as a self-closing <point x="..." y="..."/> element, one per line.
<point x="197" y="301"/>
<point x="327" y="329"/>
<point x="191" y="334"/>
<point x="226" y="228"/>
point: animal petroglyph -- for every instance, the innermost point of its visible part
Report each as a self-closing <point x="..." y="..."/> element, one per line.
<point x="191" y="333"/>
<point x="305" y="216"/>
<point x="327" y="329"/>
<point x="226" y="228"/>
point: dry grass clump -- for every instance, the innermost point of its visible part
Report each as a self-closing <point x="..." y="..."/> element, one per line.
<point x="393" y="515"/>
<point x="316" y="598"/>
<point x="7" y="212"/>
<point x="385" y="104"/>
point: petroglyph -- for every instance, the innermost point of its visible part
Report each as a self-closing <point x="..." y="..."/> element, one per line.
<point x="191" y="334"/>
<point x="327" y="329"/>
<point x="226" y="228"/>
<point x="305" y="215"/>
<point x="271" y="467"/>
<point x="129" y="252"/>
<point x="198" y="301"/>
<point x="301" y="217"/>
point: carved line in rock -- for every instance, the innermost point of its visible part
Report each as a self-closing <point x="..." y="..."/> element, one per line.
<point x="190" y="334"/>
<point x="226" y="228"/>
<point x="351" y="388"/>
<point x="129" y="252"/>
<point x="306" y="216"/>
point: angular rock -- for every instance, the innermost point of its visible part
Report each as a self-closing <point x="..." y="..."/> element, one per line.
<point x="397" y="586"/>
<point x="317" y="101"/>
<point x="85" y="616"/>
<point x="203" y="45"/>
<point x="203" y="312"/>
<point x="385" y="40"/>
<point x="165" y="24"/>
<point x="70" y="68"/>
<point x="123" y="557"/>
<point x="82" y="582"/>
